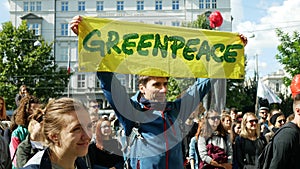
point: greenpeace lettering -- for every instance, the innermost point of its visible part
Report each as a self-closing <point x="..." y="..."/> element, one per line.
<point x="152" y="42"/>
<point x="136" y="48"/>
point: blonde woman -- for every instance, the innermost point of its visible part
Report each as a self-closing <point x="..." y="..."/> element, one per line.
<point x="249" y="144"/>
<point x="67" y="130"/>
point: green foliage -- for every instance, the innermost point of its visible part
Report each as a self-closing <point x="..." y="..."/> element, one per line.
<point x="240" y="93"/>
<point x="176" y="86"/>
<point x="25" y="63"/>
<point x="289" y="52"/>
<point x="201" y="23"/>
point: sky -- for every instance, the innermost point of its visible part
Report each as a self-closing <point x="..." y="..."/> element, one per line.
<point x="256" y="19"/>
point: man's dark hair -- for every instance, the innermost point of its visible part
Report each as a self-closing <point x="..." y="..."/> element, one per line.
<point x="234" y="109"/>
<point x="144" y="79"/>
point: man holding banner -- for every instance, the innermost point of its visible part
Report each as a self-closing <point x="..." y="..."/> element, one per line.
<point x="154" y="53"/>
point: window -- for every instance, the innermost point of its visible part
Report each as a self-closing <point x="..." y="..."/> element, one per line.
<point x="214" y="4"/>
<point x="32" y="6"/>
<point x="64" y="54"/>
<point x="120" y="5"/>
<point x="201" y="4"/>
<point x="81" y="80"/>
<point x="140" y="5"/>
<point x="175" y="5"/>
<point x="122" y="79"/>
<point x="97" y="82"/>
<point x="64" y="6"/>
<point x="158" y="23"/>
<point x="99" y="5"/>
<point x="158" y="5"/>
<point x="176" y="23"/>
<point x="38" y="6"/>
<point x="35" y="27"/>
<point x="81" y="5"/>
<point x="277" y="88"/>
<point x="25" y="6"/>
<point x="207" y="4"/>
<point x="64" y="29"/>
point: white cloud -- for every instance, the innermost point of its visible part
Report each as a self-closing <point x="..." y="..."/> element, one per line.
<point x="237" y="11"/>
<point x="4" y="8"/>
<point x="265" y="42"/>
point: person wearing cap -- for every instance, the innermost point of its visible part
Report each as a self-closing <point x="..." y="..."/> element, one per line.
<point x="277" y="120"/>
<point x="264" y="123"/>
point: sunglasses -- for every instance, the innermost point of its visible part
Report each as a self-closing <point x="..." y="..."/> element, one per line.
<point x="280" y="121"/>
<point x="213" y="118"/>
<point x="252" y="121"/>
<point x="263" y="112"/>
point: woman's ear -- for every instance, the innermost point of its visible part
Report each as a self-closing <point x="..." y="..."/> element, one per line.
<point x="54" y="138"/>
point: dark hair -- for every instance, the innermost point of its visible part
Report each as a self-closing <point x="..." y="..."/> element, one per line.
<point x="297" y="97"/>
<point x="3" y="110"/>
<point x="234" y="109"/>
<point x="144" y="79"/>
<point x="23" y="111"/>
<point x="233" y="135"/>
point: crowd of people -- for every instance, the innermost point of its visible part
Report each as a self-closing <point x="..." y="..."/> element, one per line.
<point x="144" y="131"/>
<point x="67" y="130"/>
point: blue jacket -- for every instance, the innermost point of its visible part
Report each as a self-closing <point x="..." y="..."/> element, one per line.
<point x="158" y="123"/>
<point x="193" y="152"/>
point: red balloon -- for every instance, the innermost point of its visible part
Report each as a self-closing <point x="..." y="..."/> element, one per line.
<point x="295" y="85"/>
<point x="215" y="19"/>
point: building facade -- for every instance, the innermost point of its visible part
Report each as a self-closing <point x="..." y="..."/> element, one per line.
<point x="275" y="82"/>
<point x="50" y="19"/>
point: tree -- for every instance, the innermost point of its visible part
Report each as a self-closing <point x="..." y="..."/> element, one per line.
<point x="289" y="52"/>
<point x="25" y="63"/>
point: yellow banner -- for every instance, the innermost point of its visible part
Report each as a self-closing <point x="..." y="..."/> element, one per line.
<point x="155" y="50"/>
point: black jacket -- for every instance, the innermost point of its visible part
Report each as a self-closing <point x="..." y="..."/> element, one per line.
<point x="45" y="162"/>
<point x="286" y="149"/>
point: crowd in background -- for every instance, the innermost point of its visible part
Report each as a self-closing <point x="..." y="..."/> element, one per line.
<point x="237" y="137"/>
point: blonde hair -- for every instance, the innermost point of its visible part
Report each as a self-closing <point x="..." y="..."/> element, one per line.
<point x="53" y="122"/>
<point x="244" y="132"/>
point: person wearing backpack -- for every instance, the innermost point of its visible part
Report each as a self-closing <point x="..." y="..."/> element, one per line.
<point x="286" y="143"/>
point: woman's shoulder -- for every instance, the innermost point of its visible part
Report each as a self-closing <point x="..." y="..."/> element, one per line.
<point x="35" y="161"/>
<point x="35" y="166"/>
